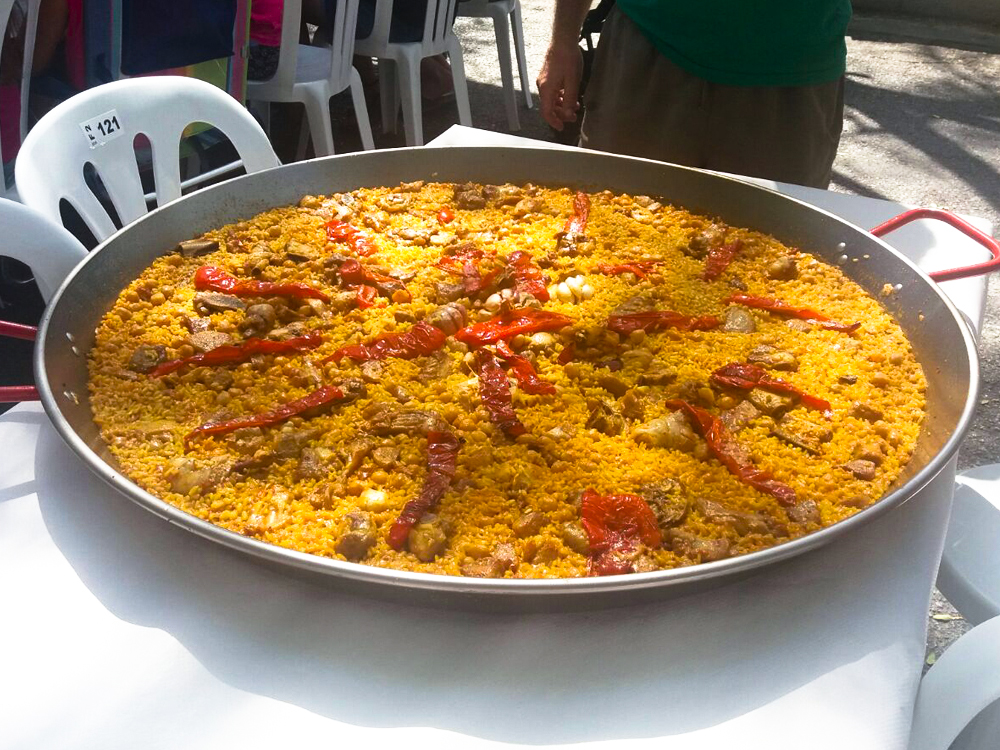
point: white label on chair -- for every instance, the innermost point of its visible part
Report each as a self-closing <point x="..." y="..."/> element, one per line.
<point x="101" y="129"/>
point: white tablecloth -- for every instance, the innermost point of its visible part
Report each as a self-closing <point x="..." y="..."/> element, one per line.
<point x="122" y="631"/>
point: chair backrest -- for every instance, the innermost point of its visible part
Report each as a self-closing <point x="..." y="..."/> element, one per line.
<point x="437" y="23"/>
<point x="32" y="238"/>
<point x="98" y="128"/>
<point x="341" y="41"/>
<point x="30" y="26"/>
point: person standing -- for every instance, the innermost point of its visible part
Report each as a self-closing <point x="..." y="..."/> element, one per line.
<point x="751" y="88"/>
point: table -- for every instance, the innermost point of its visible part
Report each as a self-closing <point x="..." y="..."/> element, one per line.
<point x="122" y="631"/>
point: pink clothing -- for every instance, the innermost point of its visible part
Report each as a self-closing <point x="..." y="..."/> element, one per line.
<point x="265" y="22"/>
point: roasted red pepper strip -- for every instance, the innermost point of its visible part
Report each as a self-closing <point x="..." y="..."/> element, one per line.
<point x="731" y="454"/>
<point x="326" y="395"/>
<point x="353" y="273"/>
<point x="524" y="372"/>
<point x="528" y="277"/>
<point x="656" y="320"/>
<point x="804" y="313"/>
<point x="581" y="213"/>
<point x="421" y="339"/>
<point x="445" y="216"/>
<point x="224" y="355"/>
<point x="345" y="234"/>
<point x="746" y="376"/>
<point x="494" y="394"/>
<point x="442" y="458"/>
<point x="366" y="296"/>
<point x="520" y="320"/>
<point x="567" y="354"/>
<point x="616" y="525"/>
<point x="641" y="268"/>
<point x="214" y="279"/>
<point x="719" y="258"/>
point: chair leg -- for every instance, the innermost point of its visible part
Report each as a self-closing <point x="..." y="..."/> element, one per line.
<point x="458" y="80"/>
<point x="408" y="85"/>
<point x="320" y="126"/>
<point x="522" y="66"/>
<point x="361" y="111"/>
<point x="501" y="29"/>
<point x="303" y="144"/>
<point x="388" y="93"/>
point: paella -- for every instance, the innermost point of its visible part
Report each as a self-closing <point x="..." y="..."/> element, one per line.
<point x="505" y="381"/>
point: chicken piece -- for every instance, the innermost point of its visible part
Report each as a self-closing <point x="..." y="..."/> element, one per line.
<point x="668" y="501"/>
<point x="783" y="269"/>
<point x="492" y="566"/>
<point x="802" y="433"/>
<point x="194" y="248"/>
<point x="638" y="303"/>
<point x="447" y="292"/>
<point x="604" y="418"/>
<point x="872" y="449"/>
<point x="658" y="373"/>
<point x="360" y="536"/>
<point x="258" y="259"/>
<point x="410" y="187"/>
<point x="697" y="548"/>
<point x="864" y="410"/>
<point x="258" y="320"/>
<point x="390" y="421"/>
<point x="355" y="453"/>
<point x="703" y="241"/>
<point x="468" y="196"/>
<point x="540" y="552"/>
<point x="185" y="474"/>
<point x="434" y="368"/>
<point x="146" y="357"/>
<point x="206" y="303"/>
<point x="613" y="385"/>
<point x="740" y="522"/>
<point x="774" y="404"/>
<point x="738" y="320"/>
<point x="529" y="524"/>
<point x="299" y="252"/>
<point x="394" y="203"/>
<point x="739" y="416"/>
<point x="427" y="539"/>
<point x="291" y="442"/>
<point x="312" y="464"/>
<point x="206" y="341"/>
<point x="861" y="469"/>
<point x="372" y="370"/>
<point x="633" y="406"/>
<point x="804" y="512"/>
<point x="769" y="356"/>
<point x="672" y="432"/>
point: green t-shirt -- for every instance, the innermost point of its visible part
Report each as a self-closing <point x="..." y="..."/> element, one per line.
<point x="748" y="42"/>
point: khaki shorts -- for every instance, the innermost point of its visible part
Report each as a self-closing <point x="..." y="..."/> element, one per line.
<point x="640" y="103"/>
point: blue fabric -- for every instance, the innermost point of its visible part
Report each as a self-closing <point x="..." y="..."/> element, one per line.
<point x="407" y="23"/>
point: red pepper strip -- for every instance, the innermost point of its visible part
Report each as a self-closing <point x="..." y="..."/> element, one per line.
<point x="656" y="320"/>
<point x="528" y="277"/>
<point x="524" y="372"/>
<point x="214" y="279"/>
<point x="445" y="216"/>
<point x="520" y="320"/>
<point x="804" y="313"/>
<point x="640" y="268"/>
<point x="345" y="234"/>
<point x="719" y="258"/>
<point x="472" y="281"/>
<point x="746" y="376"/>
<point x="616" y="524"/>
<point x="224" y="355"/>
<point x="567" y="354"/>
<point x="320" y="397"/>
<point x="353" y="273"/>
<point x="732" y="455"/>
<point x="366" y="296"/>
<point x="442" y="457"/>
<point x="421" y="339"/>
<point x="581" y="213"/>
<point x="494" y="394"/>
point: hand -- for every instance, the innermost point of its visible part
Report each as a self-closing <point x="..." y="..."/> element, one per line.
<point x="559" y="84"/>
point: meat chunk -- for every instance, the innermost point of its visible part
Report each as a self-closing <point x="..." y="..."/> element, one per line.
<point x="658" y="373"/>
<point x="206" y="303"/>
<point x="194" y="248"/>
<point x="299" y="252"/>
<point x="448" y="318"/>
<point x="355" y="453"/>
<point x="872" y="449"/>
<point x="741" y="522"/>
<point x="739" y="416"/>
<point x="292" y="442"/>
<point x="386" y="456"/>
<point x="633" y="406"/>
<point x="802" y="433"/>
<point x="605" y="418"/>
<point x="783" y="269"/>
<point x="394" y="203"/>
<point x="371" y="371"/>
<point x="738" y="320"/>
<point x="185" y="474"/>
<point x="576" y="538"/>
<point x="703" y="241"/>
<point x="312" y="465"/>
<point x="469" y="196"/>
<point x="410" y="187"/>
<point x="697" y="548"/>
<point x="672" y="431"/>
<point x="447" y="292"/>
<point x="258" y="320"/>
<point x="146" y="357"/>
<point x="804" y="512"/>
<point x="864" y="410"/>
<point x="769" y="356"/>
<point x="774" y="404"/>
<point x="360" y="536"/>
<point x="861" y="469"/>
<point x="385" y="419"/>
<point x="206" y="341"/>
<point x="668" y="500"/>
<point x="492" y="566"/>
<point x="613" y="385"/>
<point x="434" y="368"/>
<point x="528" y="524"/>
<point x="427" y="539"/>
<point x="638" y="303"/>
<point x="258" y="259"/>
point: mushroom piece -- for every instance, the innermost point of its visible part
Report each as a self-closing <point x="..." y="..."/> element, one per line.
<point x="360" y="536"/>
<point x="697" y="548"/>
<point x="258" y="320"/>
<point x="206" y="341"/>
<point x="772" y="357"/>
<point x="146" y="357"/>
<point x="604" y="418"/>
<point x="668" y="501"/>
<point x="427" y="539"/>
<point x="206" y="303"/>
<point x="738" y="320"/>
<point x="672" y="431"/>
<point x="739" y="416"/>
<point x="774" y="404"/>
<point x="194" y="248"/>
<point x="783" y="269"/>
<point x="802" y="433"/>
<point x="741" y="522"/>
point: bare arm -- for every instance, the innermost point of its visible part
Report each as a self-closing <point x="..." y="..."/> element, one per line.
<point x="559" y="80"/>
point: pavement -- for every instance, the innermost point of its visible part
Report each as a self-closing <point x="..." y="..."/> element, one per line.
<point x="922" y="126"/>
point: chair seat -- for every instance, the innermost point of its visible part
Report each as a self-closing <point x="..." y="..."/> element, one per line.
<point x="313" y="64"/>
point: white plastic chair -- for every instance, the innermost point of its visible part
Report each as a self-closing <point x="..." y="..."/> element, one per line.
<point x="399" y="66"/>
<point x="312" y="75"/>
<point x="31" y="22"/>
<point x="49" y="250"/>
<point x="53" y="158"/>
<point x="506" y="15"/>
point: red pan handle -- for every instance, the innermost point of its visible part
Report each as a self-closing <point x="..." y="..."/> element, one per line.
<point x="961" y="225"/>
<point x="11" y="394"/>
